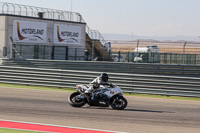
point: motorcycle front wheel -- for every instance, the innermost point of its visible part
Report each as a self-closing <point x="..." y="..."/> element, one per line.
<point x="75" y="101"/>
<point x="118" y="102"/>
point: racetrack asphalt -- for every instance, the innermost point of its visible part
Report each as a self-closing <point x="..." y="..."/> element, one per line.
<point x="142" y="115"/>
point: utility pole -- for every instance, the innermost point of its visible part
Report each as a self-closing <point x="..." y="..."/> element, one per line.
<point x="71" y="10"/>
<point x="92" y="50"/>
<point x="71" y="4"/>
<point x="132" y="39"/>
<point x="132" y="55"/>
<point x="137" y="50"/>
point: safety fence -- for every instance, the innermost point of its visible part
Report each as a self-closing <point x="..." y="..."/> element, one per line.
<point x="163" y="58"/>
<point x="132" y="83"/>
<point x="21" y="51"/>
<point x="114" y="67"/>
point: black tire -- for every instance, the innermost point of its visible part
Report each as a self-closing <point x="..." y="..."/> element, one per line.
<point x="118" y="102"/>
<point x="73" y="102"/>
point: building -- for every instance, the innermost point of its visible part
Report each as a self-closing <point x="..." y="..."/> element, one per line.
<point x="28" y="32"/>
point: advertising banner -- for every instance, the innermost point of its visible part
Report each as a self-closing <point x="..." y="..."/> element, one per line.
<point x="67" y="34"/>
<point x="29" y="31"/>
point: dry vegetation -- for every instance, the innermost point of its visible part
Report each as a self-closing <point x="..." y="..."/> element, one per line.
<point x="165" y="46"/>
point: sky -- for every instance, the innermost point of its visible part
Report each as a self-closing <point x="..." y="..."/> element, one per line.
<point x="137" y="17"/>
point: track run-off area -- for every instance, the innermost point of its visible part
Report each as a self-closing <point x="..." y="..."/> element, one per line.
<point x="152" y="115"/>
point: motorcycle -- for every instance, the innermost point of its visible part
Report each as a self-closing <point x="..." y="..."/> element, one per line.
<point x="104" y="96"/>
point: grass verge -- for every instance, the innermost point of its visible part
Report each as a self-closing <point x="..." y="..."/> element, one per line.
<point x="4" y="130"/>
<point x="36" y="87"/>
<point x="73" y="90"/>
<point x="164" y="97"/>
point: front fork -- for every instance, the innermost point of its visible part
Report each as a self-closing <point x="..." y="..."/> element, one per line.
<point x="116" y="98"/>
<point x="87" y="98"/>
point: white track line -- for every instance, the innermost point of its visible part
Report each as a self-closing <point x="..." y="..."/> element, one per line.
<point x="62" y="126"/>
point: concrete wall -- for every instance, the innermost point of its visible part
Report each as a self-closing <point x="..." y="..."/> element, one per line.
<point x="3" y="31"/>
<point x="6" y="31"/>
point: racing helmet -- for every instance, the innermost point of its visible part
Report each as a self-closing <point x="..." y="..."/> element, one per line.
<point x="104" y="76"/>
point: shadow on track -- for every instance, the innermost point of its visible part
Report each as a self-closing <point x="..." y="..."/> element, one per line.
<point x="152" y="111"/>
<point x="131" y="110"/>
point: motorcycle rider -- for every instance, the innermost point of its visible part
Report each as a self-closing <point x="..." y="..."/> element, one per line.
<point x="101" y="80"/>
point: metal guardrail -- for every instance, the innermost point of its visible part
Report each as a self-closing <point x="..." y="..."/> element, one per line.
<point x="114" y="67"/>
<point x="132" y="83"/>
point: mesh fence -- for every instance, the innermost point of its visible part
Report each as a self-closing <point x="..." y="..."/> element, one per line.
<point x="47" y="52"/>
<point x="163" y="58"/>
<point x="65" y="53"/>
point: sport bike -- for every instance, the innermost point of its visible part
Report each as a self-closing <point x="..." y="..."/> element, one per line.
<point x="104" y="96"/>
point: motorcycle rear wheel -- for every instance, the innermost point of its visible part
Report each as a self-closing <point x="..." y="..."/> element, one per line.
<point x="118" y="102"/>
<point x="73" y="101"/>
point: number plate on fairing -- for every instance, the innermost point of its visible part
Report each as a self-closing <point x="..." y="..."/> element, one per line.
<point x="113" y="92"/>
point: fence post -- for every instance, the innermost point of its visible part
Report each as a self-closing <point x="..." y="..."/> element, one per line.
<point x="119" y="57"/>
<point x="14" y="52"/>
<point x="128" y="56"/>
<point x="52" y="52"/>
<point x="195" y="59"/>
<point x="184" y="53"/>
<point x="75" y="53"/>
<point x="66" y="53"/>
